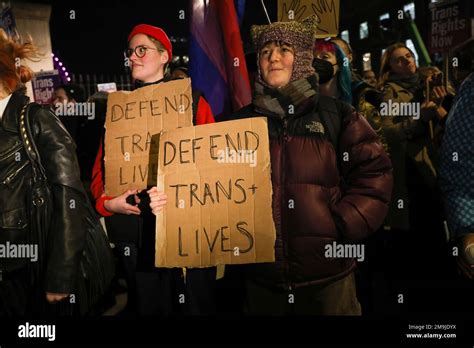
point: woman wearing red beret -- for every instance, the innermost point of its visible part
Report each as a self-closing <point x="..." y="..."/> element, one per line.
<point x="151" y="291"/>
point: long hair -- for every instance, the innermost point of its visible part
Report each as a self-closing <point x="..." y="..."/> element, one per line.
<point x="13" y="74"/>
<point x="344" y="76"/>
<point x="385" y="68"/>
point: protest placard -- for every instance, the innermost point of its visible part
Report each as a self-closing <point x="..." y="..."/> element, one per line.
<point x="327" y="12"/>
<point x="219" y="208"/>
<point x="451" y="25"/>
<point x="44" y="83"/>
<point x="132" y="120"/>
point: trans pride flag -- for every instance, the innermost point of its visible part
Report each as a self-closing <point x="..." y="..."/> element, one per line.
<point x="216" y="60"/>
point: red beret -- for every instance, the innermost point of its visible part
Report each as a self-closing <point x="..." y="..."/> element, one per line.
<point x="155" y="32"/>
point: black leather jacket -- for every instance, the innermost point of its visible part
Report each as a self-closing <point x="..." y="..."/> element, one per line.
<point x="57" y="151"/>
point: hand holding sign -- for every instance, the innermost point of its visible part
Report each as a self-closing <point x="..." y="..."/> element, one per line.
<point x="157" y="200"/>
<point x="119" y="204"/>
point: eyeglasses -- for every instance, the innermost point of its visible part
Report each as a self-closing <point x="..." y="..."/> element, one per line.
<point x="140" y="51"/>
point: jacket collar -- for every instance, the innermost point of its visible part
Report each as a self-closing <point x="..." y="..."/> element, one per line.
<point x="10" y="116"/>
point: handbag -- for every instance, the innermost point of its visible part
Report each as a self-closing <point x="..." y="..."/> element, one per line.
<point x="97" y="266"/>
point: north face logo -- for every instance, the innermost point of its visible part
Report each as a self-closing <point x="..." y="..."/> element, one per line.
<point x="315" y="127"/>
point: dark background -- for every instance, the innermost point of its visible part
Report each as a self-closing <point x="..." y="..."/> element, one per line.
<point x="94" y="41"/>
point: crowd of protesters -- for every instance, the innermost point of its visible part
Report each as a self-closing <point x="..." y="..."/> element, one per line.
<point x="407" y="191"/>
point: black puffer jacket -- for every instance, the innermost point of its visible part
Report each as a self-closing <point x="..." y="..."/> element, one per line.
<point x="57" y="151"/>
<point x="314" y="202"/>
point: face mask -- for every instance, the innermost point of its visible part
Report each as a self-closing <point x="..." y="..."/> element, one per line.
<point x="324" y="69"/>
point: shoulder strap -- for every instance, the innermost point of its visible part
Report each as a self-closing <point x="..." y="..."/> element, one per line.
<point x="29" y="140"/>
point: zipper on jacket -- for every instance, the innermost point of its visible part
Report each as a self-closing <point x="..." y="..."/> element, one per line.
<point x="12" y="152"/>
<point x="12" y="176"/>
<point x="284" y="236"/>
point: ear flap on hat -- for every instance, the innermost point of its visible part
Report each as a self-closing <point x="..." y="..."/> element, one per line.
<point x="311" y="24"/>
<point x="256" y="31"/>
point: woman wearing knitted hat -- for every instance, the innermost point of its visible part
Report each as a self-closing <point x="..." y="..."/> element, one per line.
<point x="331" y="181"/>
<point x="131" y="226"/>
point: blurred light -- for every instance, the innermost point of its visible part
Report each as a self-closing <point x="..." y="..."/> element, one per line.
<point x="363" y="30"/>
<point x="411" y="46"/>
<point x="410" y="8"/>
<point x="185" y="59"/>
<point x="56" y="59"/>
<point x="345" y="35"/>
<point x="64" y="69"/>
<point x="52" y="54"/>
<point x="366" y="61"/>
<point x="67" y="74"/>
<point x="60" y="64"/>
<point x="68" y="79"/>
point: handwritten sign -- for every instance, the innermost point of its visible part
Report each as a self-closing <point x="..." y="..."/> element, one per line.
<point x="217" y="179"/>
<point x="327" y="12"/>
<point x="132" y="120"/>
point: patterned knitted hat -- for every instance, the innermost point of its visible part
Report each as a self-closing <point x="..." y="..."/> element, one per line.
<point x="300" y="35"/>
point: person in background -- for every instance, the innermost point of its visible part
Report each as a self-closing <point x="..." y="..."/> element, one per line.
<point x="339" y="84"/>
<point x="339" y="81"/>
<point x="179" y="72"/>
<point x="457" y="161"/>
<point x="415" y="218"/>
<point x="89" y="135"/>
<point x="369" y="77"/>
<point x="65" y="94"/>
<point x="457" y="175"/>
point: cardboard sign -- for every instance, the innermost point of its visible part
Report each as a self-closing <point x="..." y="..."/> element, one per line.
<point x="450" y="25"/>
<point x="43" y="86"/>
<point x="219" y="208"/>
<point x="132" y="120"/>
<point x="327" y="12"/>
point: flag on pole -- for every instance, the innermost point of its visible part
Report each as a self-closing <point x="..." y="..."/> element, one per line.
<point x="216" y="61"/>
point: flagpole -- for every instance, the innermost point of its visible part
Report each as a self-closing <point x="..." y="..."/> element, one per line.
<point x="266" y="13"/>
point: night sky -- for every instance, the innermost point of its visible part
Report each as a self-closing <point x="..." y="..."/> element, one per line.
<point x="94" y="41"/>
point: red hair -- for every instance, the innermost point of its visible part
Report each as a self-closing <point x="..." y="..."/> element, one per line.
<point x="324" y="46"/>
<point x="13" y="74"/>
